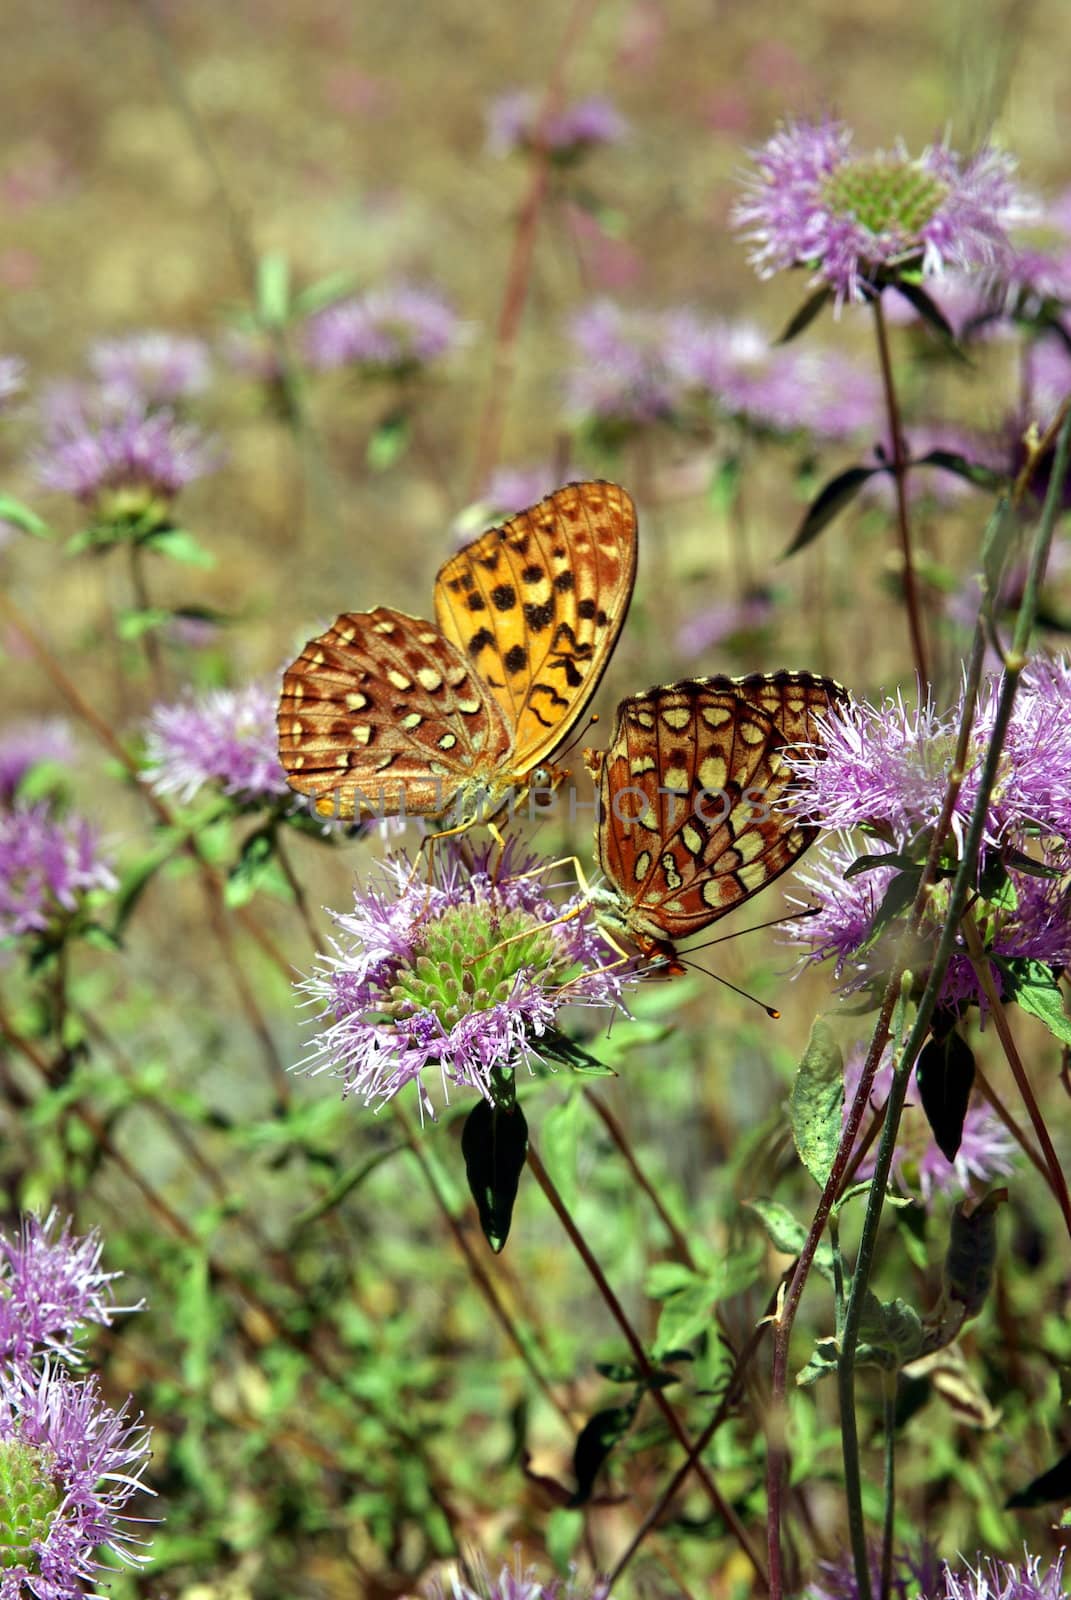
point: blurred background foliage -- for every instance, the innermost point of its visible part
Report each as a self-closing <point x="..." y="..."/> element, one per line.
<point x="334" y="1404"/>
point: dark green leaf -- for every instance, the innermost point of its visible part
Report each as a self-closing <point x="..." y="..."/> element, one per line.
<point x="897" y="898"/>
<point x="1050" y="1487"/>
<point x="828" y="503"/>
<point x="1032" y="986"/>
<point x="1021" y="862"/>
<point x="558" y="1047"/>
<point x="388" y="442"/>
<point x="595" y="1441"/>
<point x="255" y="869"/>
<point x="812" y="307"/>
<point x="817" y="1105"/>
<point x="494" y="1142"/>
<point x="944" y="1073"/>
<point x="886" y="858"/>
<point x="931" y="314"/>
<point x="971" y="471"/>
<point x="972" y="1253"/>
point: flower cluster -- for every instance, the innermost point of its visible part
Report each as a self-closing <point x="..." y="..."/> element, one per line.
<point x="926" y="1578"/>
<point x="464" y="975"/>
<point x="48" y="864"/>
<point x="883" y="769"/>
<point x="622" y="377"/>
<point x="25" y="745"/>
<point x="69" y="1463"/>
<point x="394" y="331"/>
<point x="855" y="221"/>
<point x="775" y="388"/>
<point x="513" y="124"/>
<point x="223" y="738"/>
<point x="121" y="458"/>
<point x="153" y="369"/>
<point x="986" y="1149"/>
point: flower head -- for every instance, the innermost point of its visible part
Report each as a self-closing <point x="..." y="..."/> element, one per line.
<point x="69" y="1465"/>
<point x="51" y="1284"/>
<point x="777" y="388"/>
<point x="512" y="1583"/>
<point x="25" y="745"/>
<point x="513" y="124"/>
<point x="1005" y="1580"/>
<point x="986" y="1149"/>
<point x="225" y="738"/>
<point x="47" y="865"/>
<point x="120" y="459"/>
<point x="853" y="220"/>
<point x="153" y="369"/>
<point x="395" y="330"/>
<point x="622" y="377"/>
<point x="422" y="976"/>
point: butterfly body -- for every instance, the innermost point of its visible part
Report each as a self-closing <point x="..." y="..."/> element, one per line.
<point x="389" y="714"/>
<point x="691" y="818"/>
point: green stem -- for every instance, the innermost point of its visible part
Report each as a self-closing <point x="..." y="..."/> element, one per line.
<point x="889" y="1385"/>
<point x="962" y="885"/>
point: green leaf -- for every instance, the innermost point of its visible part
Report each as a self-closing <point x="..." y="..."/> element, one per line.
<point x="972" y="1253"/>
<point x="817" y="1104"/>
<point x="256" y="869"/>
<point x="897" y="898"/>
<point x="273" y="290"/>
<point x="788" y="1235"/>
<point x="812" y="307"/>
<point x="970" y="471"/>
<point x="388" y="442"/>
<point x="560" y="1048"/>
<point x="688" y="1310"/>
<point x="823" y="1363"/>
<point x="595" y="1441"/>
<point x="891" y="1331"/>
<point x="178" y="545"/>
<point x="494" y="1142"/>
<point x="324" y="292"/>
<point x="20" y="516"/>
<point x="725" y="485"/>
<point x="132" y="624"/>
<point x="944" y="1073"/>
<point x="828" y="503"/>
<point x="1033" y="987"/>
<point x="880" y="858"/>
<point x="560" y="1142"/>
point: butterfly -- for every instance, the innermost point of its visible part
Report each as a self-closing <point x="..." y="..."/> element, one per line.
<point x="386" y="714"/>
<point x="689" y="821"/>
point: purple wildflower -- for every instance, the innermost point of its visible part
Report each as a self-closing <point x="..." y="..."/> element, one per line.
<point x="51" y="1284"/>
<point x="1005" y="1580"/>
<point x="119" y="459"/>
<point x="1047" y="375"/>
<point x="852" y="219"/>
<point x="912" y="1575"/>
<point x="395" y="330"/>
<point x="225" y="738"/>
<point x="153" y="369"/>
<point x="777" y="388"/>
<point x="623" y="377"/>
<point x="420" y="977"/>
<point x="723" y="621"/>
<point x="986" y="1149"/>
<point x="47" y="864"/>
<point x="25" y="745"/>
<point x="12" y="373"/>
<point x="513" y="1583"/>
<point x="513" y="123"/>
<point x="71" y="1464"/>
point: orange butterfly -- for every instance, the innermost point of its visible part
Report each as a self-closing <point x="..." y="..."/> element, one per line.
<point x="387" y="714"/>
<point x="689" y="821"/>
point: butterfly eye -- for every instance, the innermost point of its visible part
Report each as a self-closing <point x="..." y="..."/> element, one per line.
<point x="544" y="780"/>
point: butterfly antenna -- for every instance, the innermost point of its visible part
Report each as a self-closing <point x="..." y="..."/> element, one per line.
<point x="771" y="1011"/>
<point x="756" y="927"/>
<point x="577" y="737"/>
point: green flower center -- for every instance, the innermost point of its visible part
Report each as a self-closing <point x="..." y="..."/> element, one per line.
<point x="885" y="195"/>
<point x="29" y="1499"/>
<point x="464" y="963"/>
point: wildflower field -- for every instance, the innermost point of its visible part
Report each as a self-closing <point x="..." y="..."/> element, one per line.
<point x="535" y="801"/>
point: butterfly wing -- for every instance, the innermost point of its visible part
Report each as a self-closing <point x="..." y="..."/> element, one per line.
<point x="381" y="715"/>
<point x="690" y="794"/>
<point x="536" y="606"/>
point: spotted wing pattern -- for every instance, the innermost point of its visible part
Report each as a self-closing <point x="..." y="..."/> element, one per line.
<point x="677" y="861"/>
<point x="381" y="709"/>
<point x="536" y="606"/>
